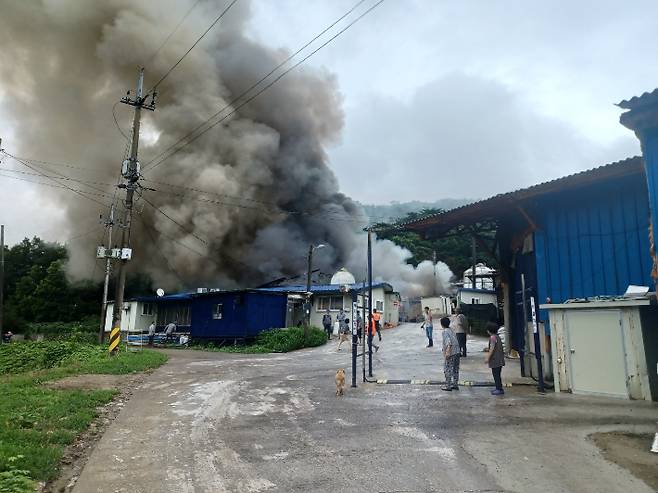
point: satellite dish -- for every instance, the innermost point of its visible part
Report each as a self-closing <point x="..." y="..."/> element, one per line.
<point x="160" y="292"/>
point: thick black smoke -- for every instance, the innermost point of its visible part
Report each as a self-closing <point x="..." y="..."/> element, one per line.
<point x="65" y="63"/>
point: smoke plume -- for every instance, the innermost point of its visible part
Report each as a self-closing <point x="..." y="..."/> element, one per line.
<point x="65" y="63"/>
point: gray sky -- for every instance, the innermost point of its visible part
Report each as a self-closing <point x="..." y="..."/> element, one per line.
<point x="449" y="99"/>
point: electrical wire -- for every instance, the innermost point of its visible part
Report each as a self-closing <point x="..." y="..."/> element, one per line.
<point x="55" y="180"/>
<point x="262" y="79"/>
<point x="265" y="88"/>
<point x="202" y="240"/>
<point x="149" y="232"/>
<point x="82" y="235"/>
<point x="57" y="185"/>
<point x="116" y="122"/>
<point x="166" y="40"/>
<point x="233" y="2"/>
<point x="66" y="178"/>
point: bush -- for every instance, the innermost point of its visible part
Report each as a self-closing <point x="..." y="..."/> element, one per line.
<point x="91" y="358"/>
<point x="15" y="480"/>
<point x="272" y="341"/>
<point x="83" y="330"/>
<point x="290" y="339"/>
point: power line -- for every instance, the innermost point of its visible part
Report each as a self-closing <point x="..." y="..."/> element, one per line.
<point x="55" y="180"/>
<point x="66" y="178"/>
<point x="202" y="240"/>
<point x="83" y="193"/>
<point x="55" y="185"/>
<point x="233" y="2"/>
<point x="327" y="215"/>
<point x="166" y="40"/>
<point x="116" y="122"/>
<point x="149" y="232"/>
<point x="82" y="235"/>
<point x="253" y="86"/>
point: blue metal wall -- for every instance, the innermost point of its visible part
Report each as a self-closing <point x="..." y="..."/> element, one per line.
<point x="595" y="242"/>
<point x="244" y="314"/>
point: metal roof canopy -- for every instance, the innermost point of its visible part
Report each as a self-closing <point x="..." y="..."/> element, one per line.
<point x="485" y="215"/>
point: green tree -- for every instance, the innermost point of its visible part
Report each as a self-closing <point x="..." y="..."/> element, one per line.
<point x="455" y="251"/>
<point x="52" y="300"/>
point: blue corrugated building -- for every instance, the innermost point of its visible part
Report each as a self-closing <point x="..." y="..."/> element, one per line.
<point x="240" y="314"/>
<point x="581" y="236"/>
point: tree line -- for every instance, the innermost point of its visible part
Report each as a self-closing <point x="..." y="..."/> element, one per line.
<point x="455" y="251"/>
<point x="37" y="288"/>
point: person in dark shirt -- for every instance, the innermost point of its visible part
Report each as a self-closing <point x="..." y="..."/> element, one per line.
<point x="495" y="357"/>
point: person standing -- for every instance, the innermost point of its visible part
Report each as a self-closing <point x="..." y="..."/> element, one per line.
<point x="327" y="323"/>
<point x="459" y="324"/>
<point x="151" y="333"/>
<point x="359" y="326"/>
<point x="372" y="330"/>
<point x="429" y="326"/>
<point x="169" y="331"/>
<point x="450" y="356"/>
<point x="377" y="316"/>
<point x="495" y="357"/>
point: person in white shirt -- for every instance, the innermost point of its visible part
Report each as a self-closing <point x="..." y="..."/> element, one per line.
<point x="459" y="324"/>
<point x="151" y="333"/>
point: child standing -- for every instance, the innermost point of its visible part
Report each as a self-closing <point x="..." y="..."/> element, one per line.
<point x="495" y="357"/>
<point x="451" y="356"/>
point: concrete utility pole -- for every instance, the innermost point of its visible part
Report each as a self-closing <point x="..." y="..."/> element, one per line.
<point x="474" y="248"/>
<point x="108" y="268"/>
<point x="130" y="174"/>
<point x="309" y="272"/>
<point x="2" y="279"/>
<point x="369" y="302"/>
<point x="434" y="264"/>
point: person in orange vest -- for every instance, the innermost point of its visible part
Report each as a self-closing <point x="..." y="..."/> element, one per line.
<point x="372" y="331"/>
<point x="376" y="316"/>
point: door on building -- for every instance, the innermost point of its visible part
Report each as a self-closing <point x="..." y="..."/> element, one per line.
<point x="596" y="352"/>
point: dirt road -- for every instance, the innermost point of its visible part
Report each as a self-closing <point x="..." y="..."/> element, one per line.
<point x="212" y="422"/>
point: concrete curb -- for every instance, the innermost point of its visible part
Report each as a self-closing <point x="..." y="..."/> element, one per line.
<point x="464" y="383"/>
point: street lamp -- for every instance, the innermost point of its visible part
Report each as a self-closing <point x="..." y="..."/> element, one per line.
<point x="311" y="248"/>
<point x="307" y="317"/>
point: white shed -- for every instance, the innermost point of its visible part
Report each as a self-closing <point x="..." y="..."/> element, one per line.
<point x="599" y="348"/>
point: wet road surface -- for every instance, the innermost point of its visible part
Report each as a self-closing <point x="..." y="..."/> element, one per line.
<point x="213" y="422"/>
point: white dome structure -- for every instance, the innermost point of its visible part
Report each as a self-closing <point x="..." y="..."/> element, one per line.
<point x="342" y="277"/>
<point x="484" y="277"/>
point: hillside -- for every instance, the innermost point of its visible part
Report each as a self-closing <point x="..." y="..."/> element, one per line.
<point x="395" y="210"/>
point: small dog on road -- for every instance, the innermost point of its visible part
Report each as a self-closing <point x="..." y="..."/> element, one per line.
<point x="340" y="381"/>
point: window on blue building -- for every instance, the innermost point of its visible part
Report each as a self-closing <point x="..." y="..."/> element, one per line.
<point x="217" y="311"/>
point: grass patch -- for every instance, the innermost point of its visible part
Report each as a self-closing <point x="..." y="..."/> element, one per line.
<point x="36" y="422"/>
<point x="273" y="341"/>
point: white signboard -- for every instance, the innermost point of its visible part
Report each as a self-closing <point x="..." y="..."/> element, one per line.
<point x="534" y="315"/>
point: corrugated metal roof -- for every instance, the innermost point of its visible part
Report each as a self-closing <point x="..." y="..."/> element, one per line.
<point x="321" y="288"/>
<point x="493" y="206"/>
<point x="168" y="297"/>
<point x="648" y="98"/>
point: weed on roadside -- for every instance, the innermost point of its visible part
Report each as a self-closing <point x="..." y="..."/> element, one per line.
<point x="37" y="422"/>
<point x="272" y="341"/>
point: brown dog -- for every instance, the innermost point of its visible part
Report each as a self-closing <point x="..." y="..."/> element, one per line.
<point x="340" y="381"/>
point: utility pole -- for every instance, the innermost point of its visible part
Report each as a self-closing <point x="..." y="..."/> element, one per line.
<point x="2" y="279"/>
<point x="130" y="174"/>
<point x="108" y="268"/>
<point x="307" y="305"/>
<point x="369" y="302"/>
<point x="474" y="248"/>
<point x="434" y="264"/>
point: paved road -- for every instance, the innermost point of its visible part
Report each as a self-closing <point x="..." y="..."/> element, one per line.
<point x="212" y="422"/>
